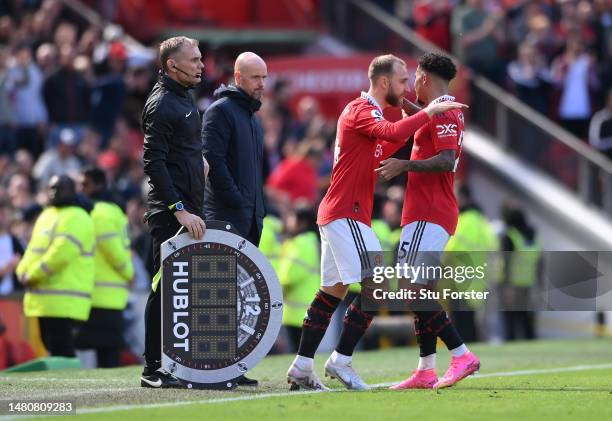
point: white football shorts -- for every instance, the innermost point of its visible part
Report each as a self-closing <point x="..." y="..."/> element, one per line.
<point x="349" y="250"/>
<point x="422" y="243"/>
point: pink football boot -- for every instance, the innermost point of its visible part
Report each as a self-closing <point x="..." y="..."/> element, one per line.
<point x="420" y="379"/>
<point x="460" y="368"/>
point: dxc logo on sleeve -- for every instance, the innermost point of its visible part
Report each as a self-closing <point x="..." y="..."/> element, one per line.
<point x="446" y="130"/>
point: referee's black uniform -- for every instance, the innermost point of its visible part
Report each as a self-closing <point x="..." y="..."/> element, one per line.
<point x="173" y="162"/>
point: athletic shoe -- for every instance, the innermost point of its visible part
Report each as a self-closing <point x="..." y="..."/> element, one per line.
<point x="307" y="379"/>
<point x="345" y="373"/>
<point x="245" y="381"/>
<point x="420" y="379"/>
<point x="460" y="368"/>
<point x="160" y="379"/>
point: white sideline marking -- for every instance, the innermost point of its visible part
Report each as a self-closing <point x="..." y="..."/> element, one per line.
<point x="279" y="394"/>
<point x="299" y="393"/>
<point x="542" y="371"/>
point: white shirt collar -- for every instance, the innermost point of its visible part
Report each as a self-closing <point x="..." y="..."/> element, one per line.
<point x="371" y="100"/>
<point x="443" y="98"/>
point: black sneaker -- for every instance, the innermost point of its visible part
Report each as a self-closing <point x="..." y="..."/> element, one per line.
<point x="160" y="378"/>
<point x="245" y="381"/>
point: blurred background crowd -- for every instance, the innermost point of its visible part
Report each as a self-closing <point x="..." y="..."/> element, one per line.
<point x="72" y="92"/>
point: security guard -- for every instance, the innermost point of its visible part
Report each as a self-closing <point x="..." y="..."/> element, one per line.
<point x="270" y="243"/>
<point x="58" y="268"/>
<point x="473" y="245"/>
<point x="299" y="270"/>
<point x="522" y="268"/>
<point x="114" y="272"/>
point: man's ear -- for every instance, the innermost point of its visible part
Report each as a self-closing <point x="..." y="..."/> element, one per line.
<point x="385" y="81"/>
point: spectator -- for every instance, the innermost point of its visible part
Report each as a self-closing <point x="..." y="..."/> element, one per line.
<point x="530" y="78"/>
<point x="480" y="37"/>
<point x="29" y="108"/>
<point x="20" y="191"/>
<point x="7" y="119"/>
<point x="574" y="73"/>
<point x="46" y="58"/>
<point x="542" y="36"/>
<point x="296" y="178"/>
<point x="432" y="21"/>
<point x="10" y="253"/>
<point x="600" y="129"/>
<point x="109" y="93"/>
<point x="58" y="160"/>
<point x="66" y="92"/>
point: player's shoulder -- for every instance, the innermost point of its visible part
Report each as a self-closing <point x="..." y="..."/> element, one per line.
<point x="360" y="107"/>
<point x="455" y="115"/>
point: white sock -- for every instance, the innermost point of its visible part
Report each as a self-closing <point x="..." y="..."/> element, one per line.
<point x="341" y="359"/>
<point x="304" y="363"/>
<point x="428" y="362"/>
<point x="459" y="351"/>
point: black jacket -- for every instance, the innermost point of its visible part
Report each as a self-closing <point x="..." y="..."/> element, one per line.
<point x="233" y="146"/>
<point x="173" y="148"/>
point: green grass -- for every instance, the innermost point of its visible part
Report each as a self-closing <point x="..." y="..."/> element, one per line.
<point x="585" y="393"/>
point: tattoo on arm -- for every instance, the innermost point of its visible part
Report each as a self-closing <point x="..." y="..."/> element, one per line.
<point x="442" y="162"/>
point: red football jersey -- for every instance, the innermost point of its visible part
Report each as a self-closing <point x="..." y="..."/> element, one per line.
<point x="430" y="196"/>
<point x="357" y="153"/>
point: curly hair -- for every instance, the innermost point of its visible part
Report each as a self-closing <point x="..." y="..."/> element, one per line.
<point x="439" y="65"/>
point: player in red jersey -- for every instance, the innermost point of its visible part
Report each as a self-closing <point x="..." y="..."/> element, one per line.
<point x="429" y="218"/>
<point x="345" y="215"/>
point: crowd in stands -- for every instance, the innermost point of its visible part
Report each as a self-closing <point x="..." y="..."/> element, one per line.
<point x="555" y="56"/>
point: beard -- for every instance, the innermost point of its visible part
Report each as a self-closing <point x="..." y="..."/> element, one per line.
<point x="393" y="99"/>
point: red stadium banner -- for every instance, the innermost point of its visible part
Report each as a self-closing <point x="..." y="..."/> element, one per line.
<point x="334" y="81"/>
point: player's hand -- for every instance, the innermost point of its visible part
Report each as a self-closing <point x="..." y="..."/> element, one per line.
<point x="206" y="168"/>
<point x="390" y="168"/>
<point x="442" y="107"/>
<point x="24" y="279"/>
<point x="194" y="224"/>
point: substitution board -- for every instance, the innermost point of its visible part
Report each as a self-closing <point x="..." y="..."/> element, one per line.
<point x="221" y="307"/>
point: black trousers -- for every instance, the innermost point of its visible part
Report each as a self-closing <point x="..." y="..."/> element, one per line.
<point x="58" y="335"/>
<point x="103" y="332"/>
<point x="164" y="225"/>
<point x="519" y="325"/>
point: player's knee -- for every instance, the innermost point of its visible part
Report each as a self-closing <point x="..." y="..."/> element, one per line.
<point x="338" y="290"/>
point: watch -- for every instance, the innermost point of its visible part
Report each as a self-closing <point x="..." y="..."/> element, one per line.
<point x="178" y="206"/>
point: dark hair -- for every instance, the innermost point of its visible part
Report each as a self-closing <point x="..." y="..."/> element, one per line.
<point x="96" y="175"/>
<point x="465" y="191"/>
<point x="170" y="46"/>
<point x="439" y="65"/>
<point x="305" y="213"/>
<point x="383" y="66"/>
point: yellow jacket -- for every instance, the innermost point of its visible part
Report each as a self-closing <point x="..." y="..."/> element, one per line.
<point x="59" y="264"/>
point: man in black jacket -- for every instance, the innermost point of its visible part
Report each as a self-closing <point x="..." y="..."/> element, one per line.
<point x="233" y="145"/>
<point x="175" y="165"/>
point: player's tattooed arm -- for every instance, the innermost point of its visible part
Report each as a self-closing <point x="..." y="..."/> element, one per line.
<point x="442" y="162"/>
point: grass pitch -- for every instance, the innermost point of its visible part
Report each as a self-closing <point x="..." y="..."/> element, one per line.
<point x="554" y="380"/>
